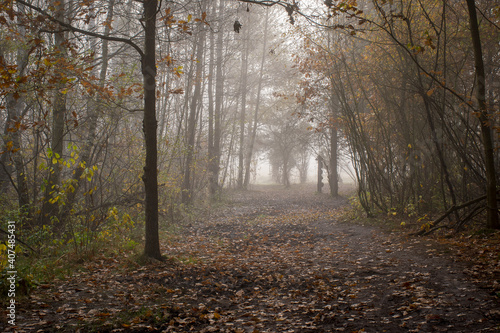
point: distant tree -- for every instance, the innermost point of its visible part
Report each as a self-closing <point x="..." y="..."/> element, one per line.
<point x="254" y="124"/>
<point x="196" y="99"/>
<point x="287" y="140"/>
<point x="243" y="106"/>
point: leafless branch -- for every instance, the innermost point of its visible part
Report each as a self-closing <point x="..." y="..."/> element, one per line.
<point x="81" y="31"/>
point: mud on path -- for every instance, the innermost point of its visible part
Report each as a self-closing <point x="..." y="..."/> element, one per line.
<point x="275" y="260"/>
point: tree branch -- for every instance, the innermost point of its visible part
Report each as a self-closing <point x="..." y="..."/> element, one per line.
<point x="19" y="240"/>
<point x="452" y="209"/>
<point x="267" y="3"/>
<point x="487" y="19"/>
<point x="81" y="31"/>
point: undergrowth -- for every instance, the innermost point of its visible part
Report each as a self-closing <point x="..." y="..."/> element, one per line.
<point x="44" y="254"/>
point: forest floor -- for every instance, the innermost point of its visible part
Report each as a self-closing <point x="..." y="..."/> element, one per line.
<point x="277" y="260"/>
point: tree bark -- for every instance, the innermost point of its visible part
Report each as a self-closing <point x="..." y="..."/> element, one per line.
<point x="211" y="149"/>
<point x="219" y="95"/>
<point x="13" y="110"/>
<point x="14" y="114"/>
<point x="51" y="209"/>
<point x="150" y="178"/>
<point x="319" y="185"/>
<point x="244" y="74"/>
<point x="333" y="177"/>
<point x="257" y="105"/>
<point x="187" y="191"/>
<point x="491" y="181"/>
<point x="214" y="118"/>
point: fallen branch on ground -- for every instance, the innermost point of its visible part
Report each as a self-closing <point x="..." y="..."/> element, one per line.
<point x="433" y="226"/>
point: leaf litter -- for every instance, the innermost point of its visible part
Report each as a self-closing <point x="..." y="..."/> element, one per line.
<point x="273" y="261"/>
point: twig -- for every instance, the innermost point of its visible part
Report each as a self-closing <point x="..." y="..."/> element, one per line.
<point x="445" y="215"/>
<point x="18" y="240"/>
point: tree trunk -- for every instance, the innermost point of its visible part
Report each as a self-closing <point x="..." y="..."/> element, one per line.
<point x="219" y="95"/>
<point x="50" y="209"/>
<point x="187" y="191"/>
<point x="211" y="149"/>
<point x="257" y="105"/>
<point x="244" y="70"/>
<point x="319" y="185"/>
<point x="92" y="110"/>
<point x="286" y="176"/>
<point x="150" y="178"/>
<point x="14" y="113"/>
<point x="444" y="168"/>
<point x="488" y="145"/>
<point x="333" y="177"/>
<point x="214" y="118"/>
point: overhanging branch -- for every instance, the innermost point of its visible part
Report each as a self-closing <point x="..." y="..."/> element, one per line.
<point x="82" y="31"/>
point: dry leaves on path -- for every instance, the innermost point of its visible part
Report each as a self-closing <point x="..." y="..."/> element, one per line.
<point x="273" y="262"/>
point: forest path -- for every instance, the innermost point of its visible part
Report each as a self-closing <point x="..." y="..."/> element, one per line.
<point x="274" y="260"/>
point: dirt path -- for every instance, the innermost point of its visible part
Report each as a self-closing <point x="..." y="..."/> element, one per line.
<point x="275" y="261"/>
